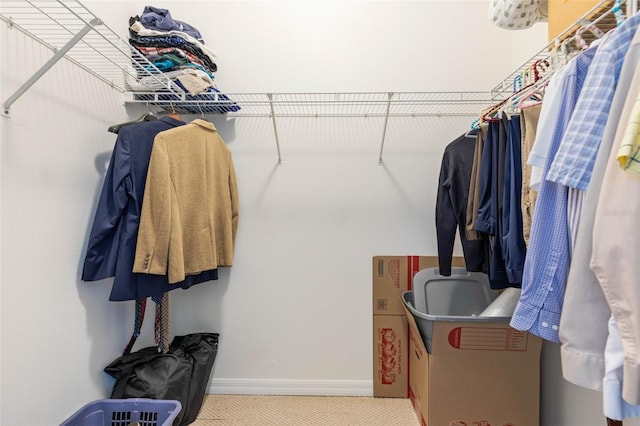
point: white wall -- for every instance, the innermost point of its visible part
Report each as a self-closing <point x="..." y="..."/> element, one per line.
<point x="294" y="312"/>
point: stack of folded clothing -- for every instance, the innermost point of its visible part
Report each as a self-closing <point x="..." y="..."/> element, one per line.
<point x="178" y="50"/>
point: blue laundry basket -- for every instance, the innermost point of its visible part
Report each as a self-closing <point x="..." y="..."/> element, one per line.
<point x="123" y="412"/>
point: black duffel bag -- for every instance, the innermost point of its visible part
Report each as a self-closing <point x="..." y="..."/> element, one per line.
<point x="181" y="374"/>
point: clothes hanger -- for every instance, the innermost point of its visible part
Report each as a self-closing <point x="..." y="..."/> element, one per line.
<point x="173" y="114"/>
<point x="617" y="11"/>
<point x="579" y="40"/>
<point x="489" y="114"/>
<point x="526" y="76"/>
<point x="554" y="56"/>
<point x="517" y="83"/>
<point x="593" y="28"/>
<point x="540" y="81"/>
<point x="566" y="51"/>
<point x="541" y="67"/>
<point x="535" y="94"/>
<point x="148" y="116"/>
<point x="586" y="25"/>
<point x="473" y="131"/>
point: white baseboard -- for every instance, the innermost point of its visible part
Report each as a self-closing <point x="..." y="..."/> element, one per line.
<point x="290" y="387"/>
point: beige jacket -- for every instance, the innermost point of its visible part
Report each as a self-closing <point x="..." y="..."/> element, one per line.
<point x="189" y="212"/>
<point x="616" y="248"/>
<point x="604" y="263"/>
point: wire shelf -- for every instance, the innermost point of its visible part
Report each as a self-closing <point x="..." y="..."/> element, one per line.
<point x="68" y="26"/>
<point x="105" y="55"/>
<point x="92" y="45"/>
<point x="363" y="104"/>
<point x="601" y="15"/>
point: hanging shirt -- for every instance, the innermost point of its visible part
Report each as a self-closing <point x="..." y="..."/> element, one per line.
<point x="112" y="242"/>
<point x="529" y="123"/>
<point x="583" y="326"/>
<point x="629" y="150"/>
<point x="548" y="258"/>
<point x="614" y="259"/>
<point x="552" y="107"/>
<point x="615" y="407"/>
<point x="451" y="205"/>
<point x="474" y="194"/>
<point x="574" y="162"/>
<point x="575" y="196"/>
<point x="547" y="123"/>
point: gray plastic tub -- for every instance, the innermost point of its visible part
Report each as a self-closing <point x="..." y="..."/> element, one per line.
<point x="461" y="293"/>
<point x="425" y="321"/>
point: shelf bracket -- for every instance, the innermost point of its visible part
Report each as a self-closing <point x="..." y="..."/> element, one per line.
<point x="6" y="105"/>
<point x="384" y="129"/>
<point x="275" y="127"/>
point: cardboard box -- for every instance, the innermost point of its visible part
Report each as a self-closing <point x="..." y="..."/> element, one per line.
<point x="390" y="357"/>
<point x="471" y="379"/>
<point x="392" y="275"/>
<point x="563" y="14"/>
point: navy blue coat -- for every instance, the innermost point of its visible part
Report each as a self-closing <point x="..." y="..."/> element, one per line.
<point x="490" y="219"/>
<point x="112" y="242"/>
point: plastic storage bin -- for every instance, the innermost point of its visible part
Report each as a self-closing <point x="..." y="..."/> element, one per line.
<point x="461" y="293"/>
<point x="123" y="412"/>
<point x="426" y="321"/>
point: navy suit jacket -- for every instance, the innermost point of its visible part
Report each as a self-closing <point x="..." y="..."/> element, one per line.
<point x="112" y="242"/>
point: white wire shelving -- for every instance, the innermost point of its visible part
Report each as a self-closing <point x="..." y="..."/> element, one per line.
<point x="600" y="18"/>
<point x="73" y="32"/>
<point x="324" y="104"/>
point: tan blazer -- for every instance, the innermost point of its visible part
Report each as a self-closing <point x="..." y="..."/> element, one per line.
<point x="189" y="212"/>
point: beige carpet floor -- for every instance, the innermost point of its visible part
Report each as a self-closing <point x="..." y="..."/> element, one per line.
<point x="248" y="410"/>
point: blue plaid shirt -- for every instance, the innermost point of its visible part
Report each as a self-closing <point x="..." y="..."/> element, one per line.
<point x="546" y="266"/>
<point x="576" y="156"/>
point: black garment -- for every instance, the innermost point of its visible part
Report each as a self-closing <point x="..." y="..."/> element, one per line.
<point x="451" y="206"/>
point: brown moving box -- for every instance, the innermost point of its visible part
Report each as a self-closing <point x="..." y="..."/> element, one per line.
<point x="393" y="275"/>
<point x="470" y="379"/>
<point x="564" y="14"/>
